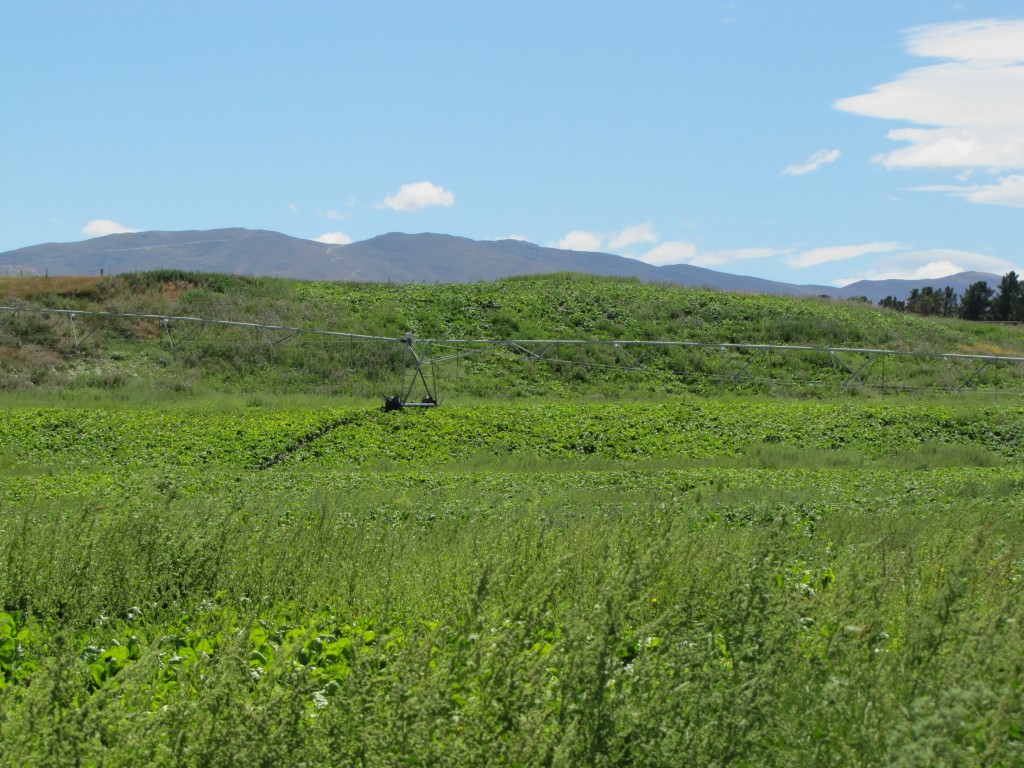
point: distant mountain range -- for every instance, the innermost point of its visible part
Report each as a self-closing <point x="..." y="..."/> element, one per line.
<point x="402" y="258"/>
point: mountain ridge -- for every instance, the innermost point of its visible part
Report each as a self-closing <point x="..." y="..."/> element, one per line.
<point x="399" y="257"/>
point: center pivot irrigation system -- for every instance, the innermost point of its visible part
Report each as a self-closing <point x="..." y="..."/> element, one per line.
<point x="851" y="365"/>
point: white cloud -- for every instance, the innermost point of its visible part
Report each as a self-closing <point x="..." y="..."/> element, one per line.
<point x="578" y="240"/>
<point x="638" y="233"/>
<point x="581" y="240"/>
<point x="293" y="207"/>
<point x="415" y="197"/>
<point x="524" y="238"/>
<point x="333" y="214"/>
<point x="953" y="148"/>
<point x="818" y="256"/>
<point x="932" y="264"/>
<point x="334" y="238"/>
<point x="814" y="162"/>
<point x="1009" y="190"/>
<point x="972" y="104"/>
<point x="671" y="252"/>
<point x="101" y="227"/>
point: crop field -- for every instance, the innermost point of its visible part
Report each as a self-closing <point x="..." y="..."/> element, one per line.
<point x="687" y="582"/>
<point x="224" y="552"/>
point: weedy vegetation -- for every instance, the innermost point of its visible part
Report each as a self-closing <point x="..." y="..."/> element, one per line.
<point x="600" y="574"/>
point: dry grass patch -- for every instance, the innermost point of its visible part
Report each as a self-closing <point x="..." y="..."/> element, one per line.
<point x="31" y="287"/>
<point x="987" y="348"/>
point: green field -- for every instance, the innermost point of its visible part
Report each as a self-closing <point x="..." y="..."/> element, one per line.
<point x="603" y="573"/>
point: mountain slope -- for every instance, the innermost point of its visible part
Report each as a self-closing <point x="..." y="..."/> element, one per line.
<point x="234" y="250"/>
<point x="395" y="257"/>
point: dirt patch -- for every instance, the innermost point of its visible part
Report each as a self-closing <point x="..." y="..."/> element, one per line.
<point x="172" y="292"/>
<point x="30" y="354"/>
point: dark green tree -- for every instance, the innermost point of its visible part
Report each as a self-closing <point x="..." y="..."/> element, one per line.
<point x="926" y="301"/>
<point x="976" y="303"/>
<point x="891" y="302"/>
<point x="1008" y="300"/>
<point x="950" y="302"/>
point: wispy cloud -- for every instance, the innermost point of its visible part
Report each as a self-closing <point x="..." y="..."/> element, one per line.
<point x="625" y="242"/>
<point x="983" y="40"/>
<point x="332" y="213"/>
<point x="1009" y="190"/>
<point x="682" y="252"/>
<point x="931" y="264"/>
<point x="334" y="238"/>
<point x="813" y="163"/>
<point x="971" y="104"/>
<point x="101" y="227"/>
<point x="638" y="233"/>
<point x="816" y="256"/>
<point x="728" y="256"/>
<point x="417" y="196"/>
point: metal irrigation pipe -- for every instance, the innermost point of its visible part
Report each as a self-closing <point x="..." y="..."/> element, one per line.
<point x="166" y="319"/>
<point x="520" y="343"/>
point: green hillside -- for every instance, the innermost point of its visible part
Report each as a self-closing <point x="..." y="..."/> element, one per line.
<point x="40" y="353"/>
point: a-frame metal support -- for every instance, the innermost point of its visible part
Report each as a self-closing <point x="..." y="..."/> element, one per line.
<point x="412" y="373"/>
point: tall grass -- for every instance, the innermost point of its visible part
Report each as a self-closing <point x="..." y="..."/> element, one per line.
<point x="598" y="618"/>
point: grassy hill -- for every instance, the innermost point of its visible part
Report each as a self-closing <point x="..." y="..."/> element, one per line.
<point x="39" y="353"/>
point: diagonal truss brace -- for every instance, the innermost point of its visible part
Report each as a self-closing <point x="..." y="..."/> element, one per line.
<point x="756" y="354"/>
<point x="974" y="377"/>
<point x="183" y="337"/>
<point x="855" y="374"/>
<point x="274" y="342"/>
<point x="633" y="363"/>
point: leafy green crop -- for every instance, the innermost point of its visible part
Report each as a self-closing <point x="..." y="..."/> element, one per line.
<point x="627" y="583"/>
<point x="622" y="431"/>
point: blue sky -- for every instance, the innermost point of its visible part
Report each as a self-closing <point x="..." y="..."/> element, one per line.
<point x="806" y="141"/>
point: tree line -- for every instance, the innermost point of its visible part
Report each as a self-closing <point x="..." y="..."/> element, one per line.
<point x="979" y="301"/>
